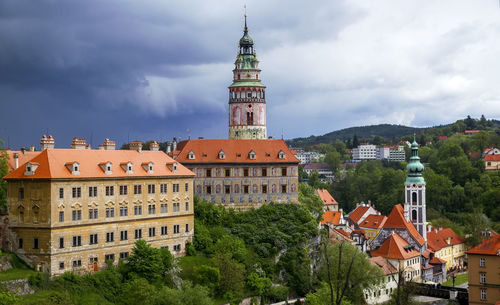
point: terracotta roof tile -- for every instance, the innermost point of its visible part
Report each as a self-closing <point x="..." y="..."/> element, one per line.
<point x="396" y="219"/>
<point x="358" y="213"/>
<point x="323" y="166"/>
<point x="326" y="197"/>
<point x="23" y="157"/>
<point x="52" y="164"/>
<point x="437" y="261"/>
<point x="236" y="151"/>
<point x="344" y="234"/>
<point x="395" y="247"/>
<point x="438" y="238"/>
<point x="490" y="157"/>
<point x="490" y="246"/>
<point x="373" y="221"/>
<point x="383" y="263"/>
<point x="331" y="217"/>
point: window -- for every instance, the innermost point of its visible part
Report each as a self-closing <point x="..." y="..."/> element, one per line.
<point x="186" y="187"/>
<point x="109" y="257"/>
<point x="21" y="193"/>
<point x="93" y="260"/>
<point x="123" y="211"/>
<point x="187" y="227"/>
<point x="151" y="188"/>
<point x="187" y="206"/>
<point x="264" y="172"/>
<point x="110" y="237"/>
<point x="227" y="189"/>
<point x="245" y="189"/>
<point x="164" y="208"/>
<point x="164" y="230"/>
<point x="177" y="206"/>
<point x="61" y="242"/>
<point x="245" y="172"/>
<point x="20" y="243"/>
<point x="283" y="171"/>
<point x="483" y="294"/>
<point x="61" y="193"/>
<point x="110" y="212"/>
<point x="163" y="188"/>
<point x="228" y="172"/>
<point x="77" y="192"/>
<point x="123" y="190"/>
<point x="176" y="229"/>
<point x="209" y="189"/>
<point x="110" y="190"/>
<point x="138" y="233"/>
<point x="93" y="239"/>
<point x="138" y="210"/>
<point x="137" y="189"/>
<point x="61" y="265"/>
<point x="61" y="216"/>
<point x="92" y="191"/>
<point x="123" y="255"/>
<point x="208" y="172"/>
<point x="264" y="189"/>
<point x="482" y="262"/>
<point x="77" y="241"/>
<point x="482" y="278"/>
<point x="152" y="232"/>
<point x="177" y="248"/>
<point x="283" y="188"/>
<point x="123" y="235"/>
<point x="76" y="215"/>
<point x="151" y="209"/>
<point x="175" y="187"/>
<point x="77" y="263"/>
<point x="93" y="214"/>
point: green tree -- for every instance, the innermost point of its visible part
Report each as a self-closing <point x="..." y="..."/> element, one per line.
<point x="333" y="159"/>
<point x="475" y="224"/>
<point x="260" y="285"/>
<point x="480" y="140"/>
<point x="146" y="261"/>
<point x="207" y="276"/>
<point x="232" y="274"/>
<point x="355" y="141"/>
<point x="138" y="291"/>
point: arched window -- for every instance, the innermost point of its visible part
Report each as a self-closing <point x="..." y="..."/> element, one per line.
<point x="414" y="198"/>
<point x="217" y="189"/>
<point x="414" y="215"/>
<point x="249" y="118"/>
<point x="237" y="188"/>
<point x="239" y="77"/>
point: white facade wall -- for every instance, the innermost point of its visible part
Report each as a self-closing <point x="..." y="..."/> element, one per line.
<point x="365" y="152"/>
<point x="383" y="153"/>
<point x="382" y="292"/>
<point x="397" y="155"/>
<point x="306" y="157"/>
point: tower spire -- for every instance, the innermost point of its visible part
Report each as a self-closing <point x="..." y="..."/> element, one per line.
<point x="246" y="28"/>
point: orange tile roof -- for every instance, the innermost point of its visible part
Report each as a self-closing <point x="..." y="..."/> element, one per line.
<point x="396" y="219"/>
<point x="394" y="247"/>
<point x="383" y="263"/>
<point x="344" y="234"/>
<point x="490" y="157"/>
<point x="23" y="157"/>
<point x="490" y="246"/>
<point x="437" y="241"/>
<point x="52" y="164"/>
<point x="331" y="217"/>
<point x="373" y="221"/>
<point x="326" y="197"/>
<point x="437" y="261"/>
<point x="358" y="213"/>
<point x="236" y="151"/>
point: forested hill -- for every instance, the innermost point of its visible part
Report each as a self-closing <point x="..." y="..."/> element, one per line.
<point x="363" y="132"/>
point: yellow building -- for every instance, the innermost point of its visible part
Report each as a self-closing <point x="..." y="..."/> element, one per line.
<point x="78" y="208"/>
<point x="447" y="246"/>
<point x="372" y="225"/>
<point x="241" y="173"/>
<point x="484" y="277"/>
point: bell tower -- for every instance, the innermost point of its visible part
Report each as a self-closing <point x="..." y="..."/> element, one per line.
<point x="415" y="209"/>
<point x="247" y="95"/>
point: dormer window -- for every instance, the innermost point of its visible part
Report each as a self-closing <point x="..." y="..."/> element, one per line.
<point x="281" y="154"/>
<point x="252" y="155"/>
<point x="31" y="168"/>
<point x="127" y="167"/>
<point x="172" y="167"/>
<point x="148" y="167"/>
<point x="106" y="167"/>
<point x="222" y="155"/>
<point x="73" y="167"/>
<point x="191" y="155"/>
<point x="175" y="167"/>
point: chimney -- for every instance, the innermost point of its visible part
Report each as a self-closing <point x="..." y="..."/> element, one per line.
<point x="78" y="143"/>
<point x="200" y="138"/>
<point x="16" y="160"/>
<point x="369" y="203"/>
<point x="136" y="145"/>
<point x="429" y="228"/>
<point x="23" y="150"/>
<point x="108" y="145"/>
<point x="154" y="146"/>
<point x="169" y="147"/>
<point x="270" y="137"/>
<point x="174" y="144"/>
<point x="32" y="147"/>
<point x="47" y="142"/>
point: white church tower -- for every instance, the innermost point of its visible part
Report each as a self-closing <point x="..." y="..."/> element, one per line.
<point x="414" y="208"/>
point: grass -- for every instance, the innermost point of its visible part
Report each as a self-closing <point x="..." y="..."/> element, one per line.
<point x="19" y="269"/>
<point x="460" y="279"/>
<point x="187" y="263"/>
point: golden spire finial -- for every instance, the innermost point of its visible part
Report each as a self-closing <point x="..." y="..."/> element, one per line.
<point x="245" y="7"/>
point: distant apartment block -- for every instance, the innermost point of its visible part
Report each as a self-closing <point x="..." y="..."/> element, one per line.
<point x="323" y="169"/>
<point x="365" y="152"/>
<point x="372" y="152"/>
<point x="307" y="157"/>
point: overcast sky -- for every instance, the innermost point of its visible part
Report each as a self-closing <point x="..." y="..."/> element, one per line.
<point x="154" y="69"/>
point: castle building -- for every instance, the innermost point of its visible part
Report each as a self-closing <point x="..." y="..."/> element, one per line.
<point x="73" y="209"/>
<point x="247" y="95"/>
<point x="242" y="174"/>
<point x="414" y="207"/>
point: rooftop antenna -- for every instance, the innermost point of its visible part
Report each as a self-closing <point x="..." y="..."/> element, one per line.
<point x="282" y="132"/>
<point x="189" y="135"/>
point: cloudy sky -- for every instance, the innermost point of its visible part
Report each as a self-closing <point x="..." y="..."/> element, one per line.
<point x="154" y="69"/>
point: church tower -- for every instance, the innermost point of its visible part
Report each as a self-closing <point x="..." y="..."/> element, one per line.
<point x="414" y="208"/>
<point x="247" y="95"/>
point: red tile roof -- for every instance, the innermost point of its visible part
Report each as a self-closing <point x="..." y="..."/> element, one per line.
<point x="52" y="164"/>
<point x="490" y="246"/>
<point x="331" y="217"/>
<point x="395" y="247"/>
<point x="439" y="240"/>
<point x="373" y="221"/>
<point x="323" y="166"/>
<point x="358" y="213"/>
<point x="490" y="157"/>
<point x="344" y="234"/>
<point x="235" y="151"/>
<point x="326" y="197"/>
<point x="23" y="157"/>
<point x="396" y="219"/>
<point x="383" y="263"/>
<point x="437" y="261"/>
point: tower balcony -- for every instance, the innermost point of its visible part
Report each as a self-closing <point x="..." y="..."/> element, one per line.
<point x="247" y="100"/>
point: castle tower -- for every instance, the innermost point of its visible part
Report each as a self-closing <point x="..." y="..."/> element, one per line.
<point x="247" y="95"/>
<point x="414" y="208"/>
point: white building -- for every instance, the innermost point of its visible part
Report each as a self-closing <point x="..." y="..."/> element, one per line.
<point x="365" y="152"/>
<point x="323" y="170"/>
<point x="306" y="157"/>
<point x="383" y="152"/>
<point x="389" y="282"/>
<point x="397" y="155"/>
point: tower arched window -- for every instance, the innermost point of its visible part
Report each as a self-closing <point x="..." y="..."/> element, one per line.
<point x="414" y="215"/>
<point x="414" y="198"/>
<point x="239" y="77"/>
<point x="249" y="118"/>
